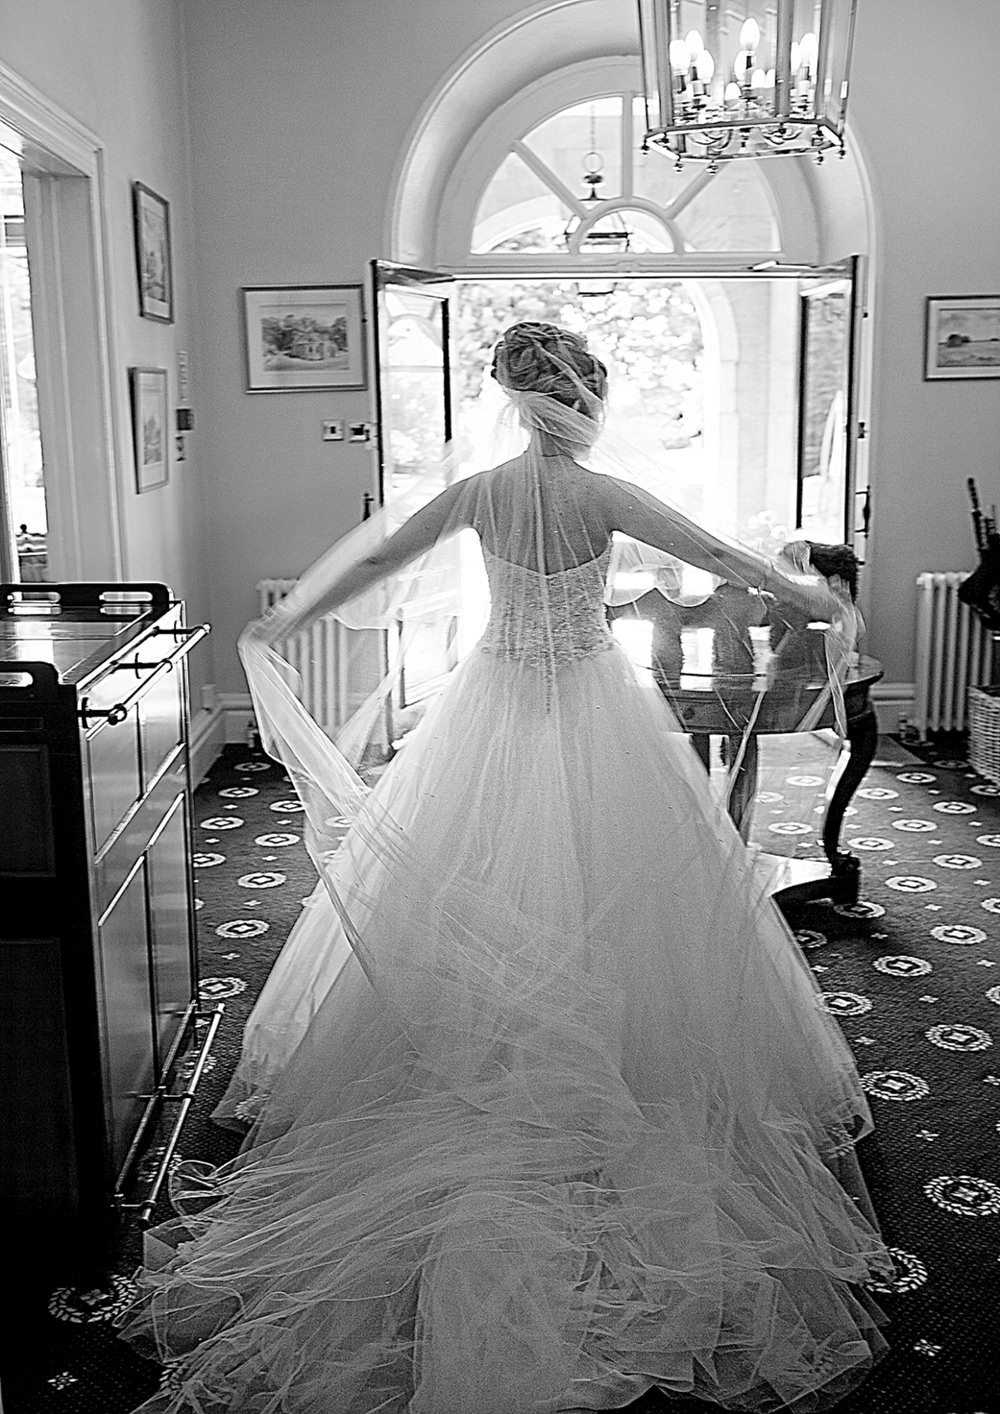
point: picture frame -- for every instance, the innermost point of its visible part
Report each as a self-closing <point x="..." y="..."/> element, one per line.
<point x="303" y="338"/>
<point x="150" y="427"/>
<point x="962" y="337"/>
<point x="154" y="264"/>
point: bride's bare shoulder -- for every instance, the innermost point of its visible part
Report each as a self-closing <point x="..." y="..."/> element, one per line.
<point x="609" y="493"/>
<point x="610" y="488"/>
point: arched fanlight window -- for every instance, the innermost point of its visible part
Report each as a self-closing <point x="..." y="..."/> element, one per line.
<point x="578" y="183"/>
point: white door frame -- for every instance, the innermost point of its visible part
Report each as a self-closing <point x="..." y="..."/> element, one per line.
<point x="64" y="168"/>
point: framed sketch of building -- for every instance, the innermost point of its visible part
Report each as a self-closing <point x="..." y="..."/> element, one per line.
<point x="300" y="338"/>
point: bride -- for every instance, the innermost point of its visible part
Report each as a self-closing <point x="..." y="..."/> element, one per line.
<point x="549" y="1114"/>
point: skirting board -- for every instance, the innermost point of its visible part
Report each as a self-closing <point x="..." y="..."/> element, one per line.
<point x="237" y="710"/>
<point x="208" y="736"/>
<point x="893" y="703"/>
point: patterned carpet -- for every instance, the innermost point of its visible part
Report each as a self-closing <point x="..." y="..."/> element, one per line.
<point x="912" y="973"/>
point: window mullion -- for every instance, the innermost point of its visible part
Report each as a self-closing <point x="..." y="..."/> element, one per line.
<point x="627" y="154"/>
<point x="688" y="194"/>
<point x="545" y="173"/>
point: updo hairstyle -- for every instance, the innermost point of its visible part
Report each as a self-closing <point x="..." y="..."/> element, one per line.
<point x="542" y="358"/>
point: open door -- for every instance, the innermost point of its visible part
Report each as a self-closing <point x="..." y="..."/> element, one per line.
<point x="413" y="409"/>
<point x="23" y="517"/>
<point x="412" y="372"/>
<point x="831" y="501"/>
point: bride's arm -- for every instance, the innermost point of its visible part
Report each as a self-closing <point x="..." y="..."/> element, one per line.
<point x="447" y="513"/>
<point x="635" y="512"/>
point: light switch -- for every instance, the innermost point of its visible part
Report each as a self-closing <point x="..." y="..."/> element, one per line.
<point x="333" y="431"/>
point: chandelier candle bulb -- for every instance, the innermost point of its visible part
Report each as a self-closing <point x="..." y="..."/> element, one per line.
<point x="750" y="35"/>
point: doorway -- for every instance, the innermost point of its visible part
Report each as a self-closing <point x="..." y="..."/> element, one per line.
<point x="60" y="442"/>
<point x="738" y="389"/>
<point x="23" y="513"/>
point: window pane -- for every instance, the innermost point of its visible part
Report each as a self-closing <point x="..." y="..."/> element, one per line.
<point x="647" y="233"/>
<point x="825" y="376"/>
<point x="413" y="360"/>
<point x="568" y="141"/>
<point x="518" y="212"/>
<point x="733" y="212"/>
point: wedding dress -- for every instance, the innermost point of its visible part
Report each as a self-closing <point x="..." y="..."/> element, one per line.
<point x="554" y="1116"/>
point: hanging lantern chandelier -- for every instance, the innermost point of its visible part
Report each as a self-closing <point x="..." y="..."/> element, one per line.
<point x="748" y="78"/>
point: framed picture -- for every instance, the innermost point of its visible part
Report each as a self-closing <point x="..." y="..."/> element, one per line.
<point x="963" y="336"/>
<point x="303" y="337"/>
<point x="150" y="427"/>
<point x="151" y="218"/>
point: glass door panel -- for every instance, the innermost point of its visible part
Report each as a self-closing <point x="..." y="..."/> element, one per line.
<point x="829" y="315"/>
<point x="412" y="377"/>
<point x="413" y="407"/>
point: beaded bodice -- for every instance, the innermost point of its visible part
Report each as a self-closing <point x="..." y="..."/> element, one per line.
<point x="546" y="620"/>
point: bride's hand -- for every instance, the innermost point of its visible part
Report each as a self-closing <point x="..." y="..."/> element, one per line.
<point x="793" y="579"/>
<point x="275" y="624"/>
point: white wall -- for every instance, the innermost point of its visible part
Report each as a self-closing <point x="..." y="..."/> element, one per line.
<point x="118" y="67"/>
<point x="300" y="113"/>
<point x="925" y="104"/>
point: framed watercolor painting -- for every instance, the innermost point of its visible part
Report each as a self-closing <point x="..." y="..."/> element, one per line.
<point x="150" y="430"/>
<point x="300" y="338"/>
<point x="151" y="219"/>
<point x="962" y="337"/>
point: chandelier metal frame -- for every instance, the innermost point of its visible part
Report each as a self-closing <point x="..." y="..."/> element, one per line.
<point x="716" y="107"/>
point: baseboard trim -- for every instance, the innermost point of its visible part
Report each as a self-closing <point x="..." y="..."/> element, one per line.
<point x="207" y="741"/>
<point x="238" y="716"/>
<point x="893" y="703"/>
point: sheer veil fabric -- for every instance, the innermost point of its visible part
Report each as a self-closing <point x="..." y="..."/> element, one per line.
<point x="550" y="1115"/>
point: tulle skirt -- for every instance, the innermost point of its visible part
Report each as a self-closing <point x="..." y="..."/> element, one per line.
<point x="552" y="1115"/>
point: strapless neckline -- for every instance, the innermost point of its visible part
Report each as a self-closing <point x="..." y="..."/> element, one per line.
<point x="592" y="563"/>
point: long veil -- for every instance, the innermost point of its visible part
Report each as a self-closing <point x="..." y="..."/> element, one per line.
<point x="565" y="1122"/>
<point x="713" y="625"/>
<point x="721" y="634"/>
<point x="718" y="627"/>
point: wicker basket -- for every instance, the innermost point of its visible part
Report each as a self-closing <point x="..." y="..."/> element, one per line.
<point x="984" y="732"/>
